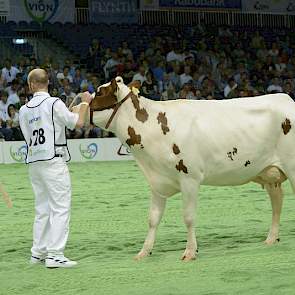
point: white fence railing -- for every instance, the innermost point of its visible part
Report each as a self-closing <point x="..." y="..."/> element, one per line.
<point x="193" y="17"/>
<point x="229" y="18"/>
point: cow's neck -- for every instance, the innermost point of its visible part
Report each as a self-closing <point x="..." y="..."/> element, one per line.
<point x="136" y="112"/>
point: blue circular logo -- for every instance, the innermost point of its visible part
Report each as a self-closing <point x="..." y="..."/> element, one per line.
<point x="90" y="151"/>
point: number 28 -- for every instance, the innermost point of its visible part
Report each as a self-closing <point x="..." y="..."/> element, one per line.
<point x="38" y="137"/>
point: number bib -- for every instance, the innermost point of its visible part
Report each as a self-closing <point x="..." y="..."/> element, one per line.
<point x="38" y="130"/>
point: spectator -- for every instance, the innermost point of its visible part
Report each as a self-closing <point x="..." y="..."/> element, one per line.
<point x="95" y="56"/>
<point x="128" y="72"/>
<point x="275" y="86"/>
<point x="149" y="87"/>
<point x="230" y="89"/>
<point x="4" y="105"/>
<point x="110" y="68"/>
<point x="140" y="75"/>
<point x="185" y="77"/>
<point x="289" y="90"/>
<point x="186" y="92"/>
<point x="13" y="123"/>
<point x="126" y="51"/>
<point x="4" y="130"/>
<point x="175" y="55"/>
<point x="8" y="73"/>
<point x="77" y="79"/>
<point x="12" y="90"/>
<point x="68" y="93"/>
<point x="170" y="93"/>
<point x="159" y="71"/>
<point x="65" y="75"/>
<point x="175" y="77"/>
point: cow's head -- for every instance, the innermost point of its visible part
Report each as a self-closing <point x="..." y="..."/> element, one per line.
<point x="109" y="94"/>
<point x="107" y="99"/>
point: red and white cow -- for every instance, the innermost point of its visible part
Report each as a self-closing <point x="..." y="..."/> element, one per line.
<point x="182" y="144"/>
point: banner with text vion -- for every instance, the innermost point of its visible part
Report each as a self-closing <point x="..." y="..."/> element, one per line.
<point x="269" y="6"/>
<point x="4" y="7"/>
<point x="206" y="4"/>
<point x="42" y="11"/>
<point x="113" y="11"/>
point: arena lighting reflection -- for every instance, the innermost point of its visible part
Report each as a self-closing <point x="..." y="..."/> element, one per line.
<point x="19" y="41"/>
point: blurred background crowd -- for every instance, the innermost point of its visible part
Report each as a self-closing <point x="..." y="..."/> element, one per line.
<point x="194" y="62"/>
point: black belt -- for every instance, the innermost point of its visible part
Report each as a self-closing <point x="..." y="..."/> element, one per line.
<point x="58" y="156"/>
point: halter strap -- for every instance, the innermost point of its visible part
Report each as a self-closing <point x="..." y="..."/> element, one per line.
<point x="116" y="107"/>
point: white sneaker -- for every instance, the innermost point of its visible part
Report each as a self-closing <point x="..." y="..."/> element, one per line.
<point x="37" y="260"/>
<point x="59" y="261"/>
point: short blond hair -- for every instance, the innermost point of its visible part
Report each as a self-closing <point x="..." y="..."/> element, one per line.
<point x="38" y="76"/>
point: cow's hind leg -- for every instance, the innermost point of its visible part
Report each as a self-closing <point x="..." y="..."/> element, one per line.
<point x="189" y="194"/>
<point x="276" y="196"/>
<point x="157" y="208"/>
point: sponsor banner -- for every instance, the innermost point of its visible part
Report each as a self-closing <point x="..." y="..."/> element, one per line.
<point x="213" y="4"/>
<point x="14" y="151"/>
<point x="113" y="11"/>
<point x="4" y="7"/>
<point x="149" y="4"/>
<point x="82" y="150"/>
<point x="1" y="153"/>
<point x="269" y="6"/>
<point x="42" y="11"/>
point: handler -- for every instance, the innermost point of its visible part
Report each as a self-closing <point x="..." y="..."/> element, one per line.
<point x="43" y="120"/>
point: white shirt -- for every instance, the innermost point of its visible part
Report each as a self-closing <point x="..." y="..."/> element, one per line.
<point x="184" y="78"/>
<point x="9" y="75"/>
<point x="272" y="87"/>
<point x="139" y="77"/>
<point x="172" y="56"/>
<point x="61" y="76"/>
<point x="13" y="99"/>
<point x="228" y="89"/>
<point x="3" y="110"/>
<point x="15" y="120"/>
<point x="62" y="118"/>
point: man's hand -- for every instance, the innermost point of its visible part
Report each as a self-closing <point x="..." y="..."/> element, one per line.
<point x="86" y="97"/>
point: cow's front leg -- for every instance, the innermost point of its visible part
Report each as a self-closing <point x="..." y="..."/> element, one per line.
<point x="156" y="212"/>
<point x="276" y="196"/>
<point x="189" y="192"/>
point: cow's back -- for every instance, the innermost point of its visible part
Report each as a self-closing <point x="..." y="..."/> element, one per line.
<point x="230" y="141"/>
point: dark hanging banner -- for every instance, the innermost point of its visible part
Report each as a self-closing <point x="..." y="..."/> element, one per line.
<point x="113" y="11"/>
<point x="214" y="4"/>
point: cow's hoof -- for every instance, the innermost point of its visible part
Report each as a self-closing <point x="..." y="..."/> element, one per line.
<point x="141" y="255"/>
<point x="188" y="255"/>
<point x="271" y="240"/>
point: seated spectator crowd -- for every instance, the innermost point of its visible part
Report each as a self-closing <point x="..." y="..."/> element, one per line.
<point x="222" y="63"/>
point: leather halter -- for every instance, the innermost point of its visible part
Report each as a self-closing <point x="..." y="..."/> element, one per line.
<point x="116" y="106"/>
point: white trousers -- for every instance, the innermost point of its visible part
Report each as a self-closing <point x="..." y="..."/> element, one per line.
<point x="52" y="188"/>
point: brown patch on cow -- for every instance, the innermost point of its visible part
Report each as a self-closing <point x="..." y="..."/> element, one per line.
<point x="181" y="167"/>
<point x="176" y="149"/>
<point x="235" y="150"/>
<point x="141" y="113"/>
<point x="105" y="98"/>
<point x="134" y="138"/>
<point x="247" y="163"/>
<point x="162" y="119"/>
<point x="286" y="126"/>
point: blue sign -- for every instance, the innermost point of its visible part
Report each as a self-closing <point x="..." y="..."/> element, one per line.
<point x="114" y="11"/>
<point x="223" y="4"/>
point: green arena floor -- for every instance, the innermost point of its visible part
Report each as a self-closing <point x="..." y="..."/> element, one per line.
<point x="108" y="226"/>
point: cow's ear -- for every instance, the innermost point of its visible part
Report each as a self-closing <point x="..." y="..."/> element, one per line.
<point x="135" y="84"/>
<point x="114" y="85"/>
